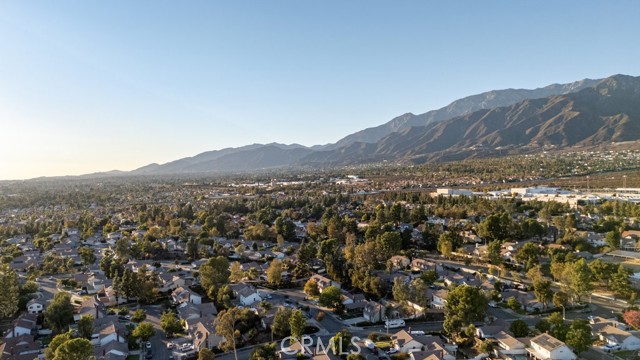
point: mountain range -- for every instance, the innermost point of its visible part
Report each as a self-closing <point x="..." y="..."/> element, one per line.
<point x="585" y="113"/>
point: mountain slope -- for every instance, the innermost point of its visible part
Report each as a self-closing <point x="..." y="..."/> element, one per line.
<point x="605" y="112"/>
<point x="486" y="100"/>
<point x="250" y="157"/>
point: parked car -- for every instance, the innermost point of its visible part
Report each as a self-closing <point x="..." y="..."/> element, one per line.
<point x="170" y="345"/>
<point x="148" y="345"/>
<point x="612" y="347"/>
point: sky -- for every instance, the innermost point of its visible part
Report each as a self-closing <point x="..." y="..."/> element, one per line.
<point x="89" y="86"/>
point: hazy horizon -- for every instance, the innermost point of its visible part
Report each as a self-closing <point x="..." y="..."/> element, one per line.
<point x="94" y="87"/>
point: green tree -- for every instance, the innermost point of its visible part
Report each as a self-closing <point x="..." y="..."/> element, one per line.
<point x="465" y="305"/>
<point x="493" y="255"/>
<point x="542" y="291"/>
<point x="281" y="326"/>
<point x="495" y="227"/>
<point x="340" y="343"/>
<point x="128" y="284"/>
<point x="400" y="290"/>
<point x="59" y="314"/>
<point x="613" y="239"/>
<point x="601" y="271"/>
<point x="529" y="255"/>
<point x="206" y="354"/>
<point x="74" y="349"/>
<point x="331" y="297"/>
<point x="579" y="336"/>
<point x="389" y="243"/>
<point x="214" y="274"/>
<point x="144" y="331"/>
<point x="85" y="326"/>
<point x="170" y="323"/>
<point x="297" y="323"/>
<point x="445" y="244"/>
<point x="485" y="347"/>
<point x="514" y="304"/>
<point x="429" y="276"/>
<point x="560" y="299"/>
<point x="558" y="328"/>
<point x="311" y="288"/>
<point x="139" y="316"/>
<point x="519" y="328"/>
<point x="543" y="326"/>
<point x="10" y="291"/>
<point x="264" y="352"/>
<point x="235" y="273"/>
<point x="225" y="324"/>
<point x="580" y="278"/>
<point x="87" y="255"/>
<point x="274" y="272"/>
<point x="620" y="283"/>
<point x="50" y="352"/>
<point x="123" y="248"/>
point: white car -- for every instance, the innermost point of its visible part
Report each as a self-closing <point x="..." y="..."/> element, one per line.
<point x="148" y="345"/>
<point x="612" y="347"/>
<point x="170" y="345"/>
<point x="186" y="347"/>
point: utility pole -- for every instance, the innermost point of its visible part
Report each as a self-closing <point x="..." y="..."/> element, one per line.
<point x="624" y="181"/>
<point x="587" y="183"/>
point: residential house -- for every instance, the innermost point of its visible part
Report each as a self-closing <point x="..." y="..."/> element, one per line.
<point x="425" y="346"/>
<point x="204" y="335"/>
<point x="509" y="345"/>
<point x="546" y="347"/>
<point x="109" y="297"/>
<point x="111" y="351"/>
<point x="403" y="341"/>
<point x="373" y="312"/>
<point x="418" y="265"/>
<point x="492" y="330"/>
<point x="35" y="306"/>
<point x="248" y="295"/>
<point x="615" y="336"/>
<point x="180" y="295"/>
<point x="108" y="329"/>
<point x="399" y="262"/>
<point x="189" y="311"/>
<point x="20" y="347"/>
<point x="439" y="299"/>
<point x="89" y="306"/>
<point x="26" y="324"/>
<point x="324" y="282"/>
<point x="170" y="281"/>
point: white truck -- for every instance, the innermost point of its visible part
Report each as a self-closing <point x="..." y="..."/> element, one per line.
<point x="395" y="323"/>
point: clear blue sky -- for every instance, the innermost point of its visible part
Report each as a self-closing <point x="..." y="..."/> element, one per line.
<point x="90" y="86"/>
